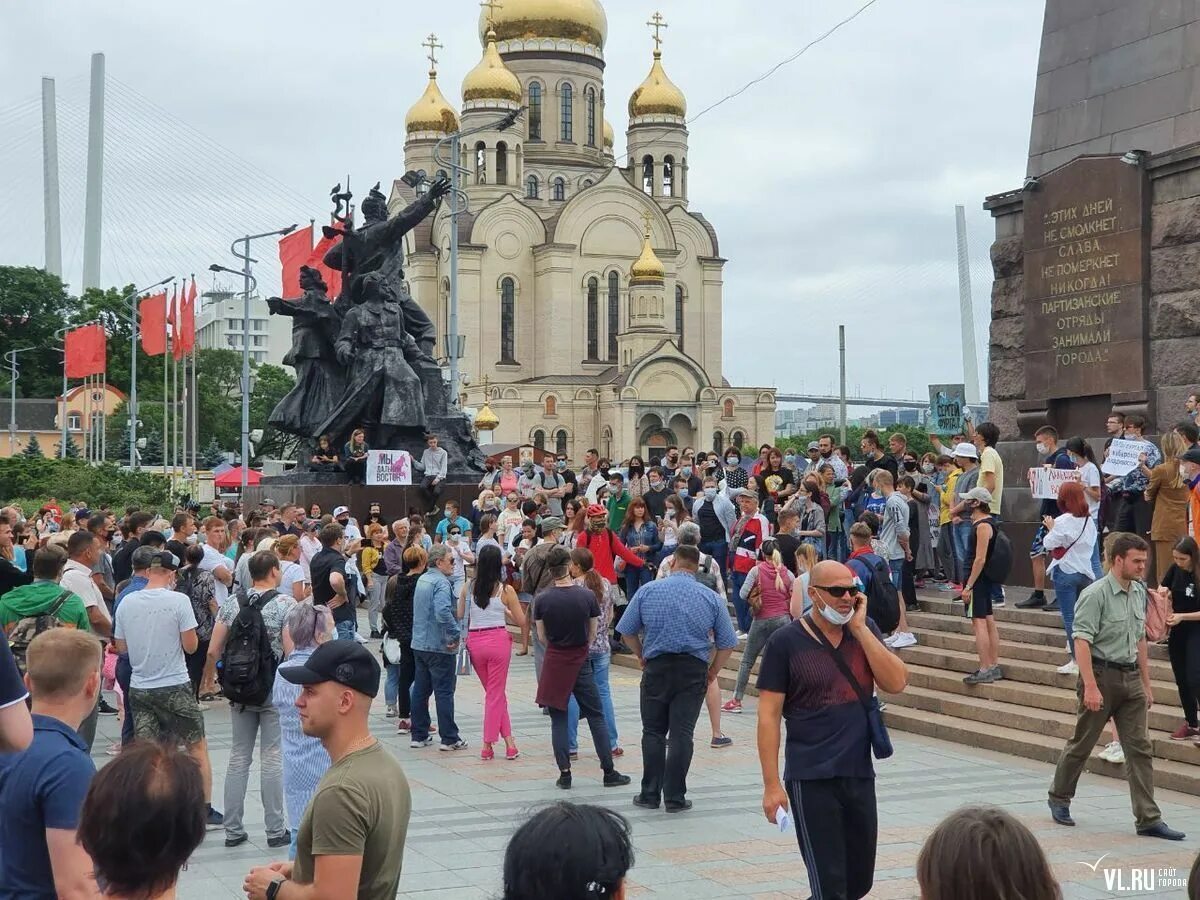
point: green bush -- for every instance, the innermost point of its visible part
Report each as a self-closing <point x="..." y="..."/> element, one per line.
<point x="66" y="480"/>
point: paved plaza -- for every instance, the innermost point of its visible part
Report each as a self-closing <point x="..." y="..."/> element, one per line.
<point x="464" y="811"/>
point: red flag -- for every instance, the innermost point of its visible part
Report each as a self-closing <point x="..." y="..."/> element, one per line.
<point x="333" y="278"/>
<point x="187" y="328"/>
<point x="173" y="306"/>
<point x="86" y="351"/>
<point x="294" y="251"/>
<point x="153" y="324"/>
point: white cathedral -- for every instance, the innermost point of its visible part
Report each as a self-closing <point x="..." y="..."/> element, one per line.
<point x="590" y="295"/>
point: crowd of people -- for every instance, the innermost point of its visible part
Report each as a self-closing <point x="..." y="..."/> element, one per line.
<point x="810" y="564"/>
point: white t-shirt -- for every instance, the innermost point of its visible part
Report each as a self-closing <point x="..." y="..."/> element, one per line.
<point x="1090" y="476"/>
<point x="77" y="579"/>
<point x="292" y="573"/>
<point x="150" y="622"/>
<point x="213" y="560"/>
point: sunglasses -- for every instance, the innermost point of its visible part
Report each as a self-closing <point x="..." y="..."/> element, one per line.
<point x="838" y="590"/>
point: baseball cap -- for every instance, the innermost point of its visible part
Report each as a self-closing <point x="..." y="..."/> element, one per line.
<point x="162" y="559"/>
<point x="813" y="445"/>
<point x="143" y="557"/>
<point x="341" y="510"/>
<point x="554" y="523"/>
<point x="346" y="662"/>
<point x="1192" y="455"/>
<point x="267" y="501"/>
<point x="979" y="494"/>
<point x="966" y="451"/>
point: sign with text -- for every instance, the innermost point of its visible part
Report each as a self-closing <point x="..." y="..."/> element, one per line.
<point x="947" y="404"/>
<point x="1044" y="483"/>
<point x="386" y="467"/>
<point x="1086" y="261"/>
<point x="1122" y="457"/>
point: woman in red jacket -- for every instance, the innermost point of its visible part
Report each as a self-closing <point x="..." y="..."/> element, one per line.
<point x="605" y="547"/>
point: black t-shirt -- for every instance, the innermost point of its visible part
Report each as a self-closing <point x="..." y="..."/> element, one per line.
<point x="572" y="483"/>
<point x="322" y="566"/>
<point x="566" y="612"/>
<point x="1185" y="598"/>
<point x="711" y="529"/>
<point x="914" y="526"/>
<point x="179" y="548"/>
<point x="12" y="688"/>
<point x="773" y="482"/>
<point x="827" y="734"/>
<point x="884" y="462"/>
<point x="291" y="529"/>
<point x="122" y="561"/>
<point x="656" y="502"/>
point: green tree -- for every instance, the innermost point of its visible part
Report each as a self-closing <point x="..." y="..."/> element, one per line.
<point x="212" y="455"/>
<point x="33" y="305"/>
<point x="918" y="440"/>
<point x="72" y="448"/>
<point x="271" y="385"/>
<point x="152" y="453"/>
<point x="33" y="450"/>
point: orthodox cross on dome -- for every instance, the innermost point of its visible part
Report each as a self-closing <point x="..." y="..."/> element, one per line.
<point x="487" y="394"/>
<point x="432" y="43"/>
<point x="658" y="23"/>
<point x="647" y="218"/>
<point x="491" y="6"/>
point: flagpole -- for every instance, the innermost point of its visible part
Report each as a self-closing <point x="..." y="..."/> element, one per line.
<point x="104" y="413"/>
<point x="166" y="450"/>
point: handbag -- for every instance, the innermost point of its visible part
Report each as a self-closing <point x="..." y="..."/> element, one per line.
<point x="881" y="741"/>
<point x="391" y="650"/>
<point x="1060" y="552"/>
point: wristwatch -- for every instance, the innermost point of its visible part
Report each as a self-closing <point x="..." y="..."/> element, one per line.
<point x="274" y="887"/>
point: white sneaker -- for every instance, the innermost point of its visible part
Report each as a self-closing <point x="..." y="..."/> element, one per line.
<point x="741" y="635"/>
<point x="1113" y="753"/>
<point x="1070" y="667"/>
<point x="891" y="639"/>
<point x="903" y="639"/>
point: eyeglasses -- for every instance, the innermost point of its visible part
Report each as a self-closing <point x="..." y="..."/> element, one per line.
<point x="837" y="590"/>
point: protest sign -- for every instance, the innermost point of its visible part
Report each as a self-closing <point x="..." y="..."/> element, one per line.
<point x="1122" y="457"/>
<point x="386" y="467"/>
<point x="1044" y="483"/>
<point x="946" y="405"/>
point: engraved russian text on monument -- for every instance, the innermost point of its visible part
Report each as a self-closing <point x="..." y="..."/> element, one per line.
<point x="1085" y="273"/>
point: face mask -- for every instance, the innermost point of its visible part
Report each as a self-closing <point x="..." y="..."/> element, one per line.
<point x="731" y="460"/>
<point x="560" y="464"/>
<point x="168" y="533"/>
<point x="447" y="512"/>
<point x="837" y="618"/>
<point x="191" y="538"/>
<point x="686" y="471"/>
<point x="455" y="538"/>
<point x="910" y="466"/>
<point x="928" y="468"/>
<point x="669" y="514"/>
<point x="710" y="492"/>
<point x="682" y="492"/>
<point x="790" y="459"/>
<point x="1042" y="448"/>
<point x="656" y="485"/>
<point x="596" y="524"/>
<point x="615" y="488"/>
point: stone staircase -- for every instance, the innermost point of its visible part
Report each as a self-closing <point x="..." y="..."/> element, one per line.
<point x="1030" y="713"/>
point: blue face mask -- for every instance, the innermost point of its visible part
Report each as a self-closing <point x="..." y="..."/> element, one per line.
<point x="710" y="492"/>
<point x="682" y="492"/>
<point x="686" y="471"/>
<point x="789" y="459"/>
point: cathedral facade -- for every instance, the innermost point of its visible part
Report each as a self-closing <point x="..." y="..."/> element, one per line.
<point x="590" y="294"/>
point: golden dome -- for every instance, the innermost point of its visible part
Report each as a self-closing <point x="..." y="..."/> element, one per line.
<point x="609" y="136"/>
<point x="648" y="266"/>
<point x="657" y="95"/>
<point x="491" y="79"/>
<point x="432" y="112"/>
<point x="575" y="20"/>
<point x="486" y="420"/>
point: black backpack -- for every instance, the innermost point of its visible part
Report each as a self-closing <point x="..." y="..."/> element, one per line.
<point x="29" y="627"/>
<point x="883" y="600"/>
<point x="999" y="562"/>
<point x="247" y="670"/>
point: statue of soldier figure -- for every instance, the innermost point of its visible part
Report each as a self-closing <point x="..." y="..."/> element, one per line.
<point x="320" y="381"/>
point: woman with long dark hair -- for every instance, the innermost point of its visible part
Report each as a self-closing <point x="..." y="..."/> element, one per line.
<point x="640" y="534"/>
<point x="1080" y="453"/>
<point x="485" y="607"/>
<point x="637" y="483"/>
<point x="1183" y="642"/>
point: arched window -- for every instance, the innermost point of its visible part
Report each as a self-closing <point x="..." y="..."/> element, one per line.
<point x="679" y="315"/>
<point x="668" y="176"/>
<point x="728" y="409"/>
<point x="535" y="111"/>
<point x="539" y="440"/>
<point x="560" y="188"/>
<point x="567" y="126"/>
<point x="502" y="163"/>
<point x="737" y="439"/>
<point x="508" y="321"/>
<point x="614" y="313"/>
<point x="560" y="443"/>
<point x="481" y="163"/>
<point x="551" y="405"/>
<point x="648" y="175"/>
<point x="593" y="319"/>
<point x="591" y="117"/>
<point x="531" y="187"/>
<point x="718" y="445"/>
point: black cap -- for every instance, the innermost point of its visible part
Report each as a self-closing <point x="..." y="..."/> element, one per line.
<point x="346" y="662"/>
<point x="164" y="559"/>
<point x="1192" y="455"/>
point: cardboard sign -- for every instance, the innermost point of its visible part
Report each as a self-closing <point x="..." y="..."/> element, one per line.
<point x="1044" y="483"/>
<point x="386" y="467"/>
<point x="947" y="404"/>
<point x="1122" y="457"/>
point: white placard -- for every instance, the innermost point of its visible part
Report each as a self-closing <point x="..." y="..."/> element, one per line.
<point x="386" y="467"/>
<point x="1122" y="457"/>
<point x="1044" y="483"/>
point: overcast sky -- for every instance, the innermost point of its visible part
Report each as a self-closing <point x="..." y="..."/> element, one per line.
<point x="832" y="184"/>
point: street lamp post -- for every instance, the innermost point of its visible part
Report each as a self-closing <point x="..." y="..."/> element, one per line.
<point x="11" y="358"/>
<point x="248" y="280"/>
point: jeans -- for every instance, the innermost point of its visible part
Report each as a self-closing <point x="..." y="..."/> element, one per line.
<point x="837" y="828"/>
<point x="491" y="653"/>
<point x="87" y="728"/>
<point x="437" y="674"/>
<point x="246" y="722"/>
<point x="1067" y="586"/>
<point x="672" y="693"/>
<point x="760" y="631"/>
<point x="346" y="630"/>
<point x="835" y="546"/>
<point x="1097" y="569"/>
<point x="946" y="555"/>
<point x="897" y="567"/>
<point x="636" y="577"/>
<point x="375" y="600"/>
<point x="587" y="696"/>
<point x="124" y="673"/>
<point x="1183" y="646"/>
<point x="719" y="551"/>
<point x="598" y="664"/>
<point x="962" y="539"/>
<point x="397" y="689"/>
<point x="740" y="607"/>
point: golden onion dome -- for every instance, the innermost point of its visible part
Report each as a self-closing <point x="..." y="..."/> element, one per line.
<point x="486" y="420"/>
<point x="609" y="135"/>
<point x="432" y="112"/>
<point x="648" y="266"/>
<point x="491" y="79"/>
<point x="574" y="20"/>
<point x="657" y="95"/>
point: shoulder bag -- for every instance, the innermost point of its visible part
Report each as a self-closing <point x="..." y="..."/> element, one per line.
<point x="881" y="741"/>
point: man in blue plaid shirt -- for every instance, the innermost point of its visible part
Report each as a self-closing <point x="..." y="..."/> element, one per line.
<point x="1129" y="491"/>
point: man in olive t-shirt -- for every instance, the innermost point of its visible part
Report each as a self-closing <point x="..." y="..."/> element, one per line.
<point x="351" y="839"/>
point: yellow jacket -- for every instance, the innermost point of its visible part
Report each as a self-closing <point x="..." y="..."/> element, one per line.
<point x="948" y="497"/>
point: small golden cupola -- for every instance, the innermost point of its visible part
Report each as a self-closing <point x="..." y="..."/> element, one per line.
<point x="433" y="113"/>
<point x="658" y="97"/>
<point x="491" y="79"/>
<point x="648" y="269"/>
